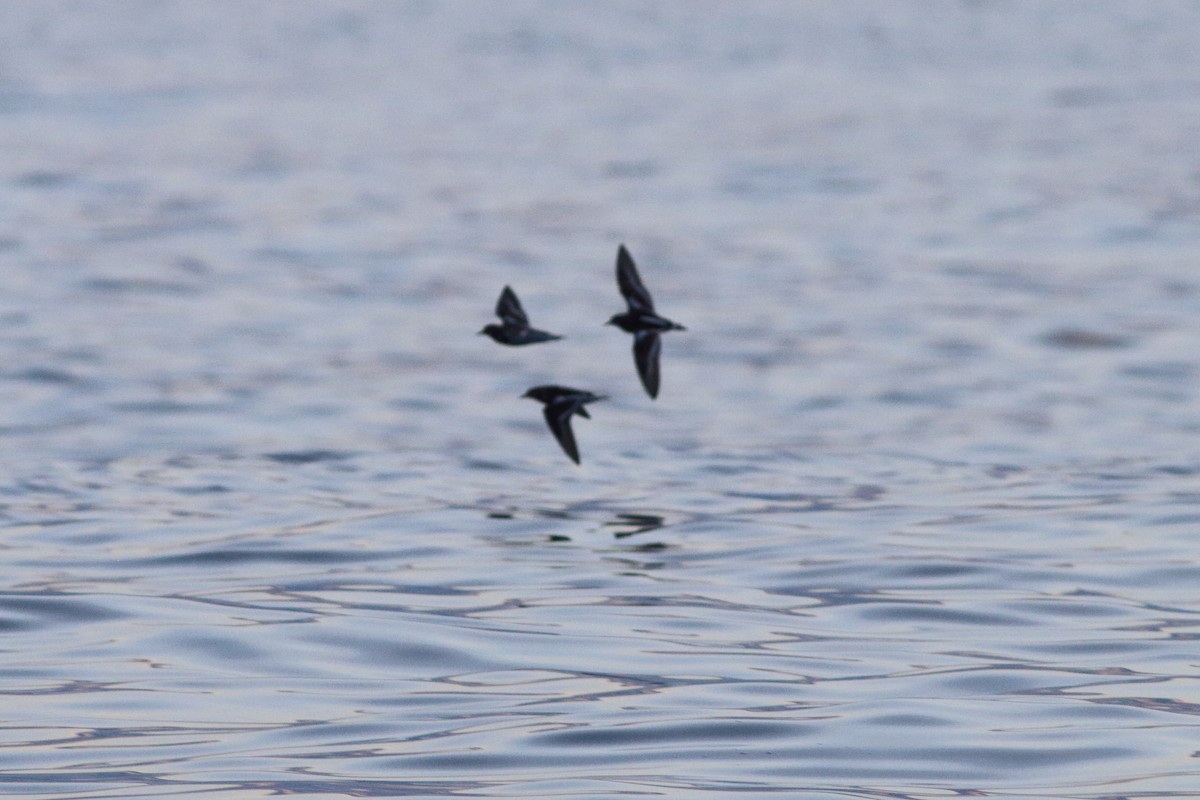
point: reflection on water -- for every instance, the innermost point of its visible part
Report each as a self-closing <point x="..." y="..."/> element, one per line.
<point x="767" y="643"/>
<point x="915" y="518"/>
<point x="634" y="524"/>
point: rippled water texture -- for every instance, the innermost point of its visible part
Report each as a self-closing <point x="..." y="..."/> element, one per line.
<point x="916" y="514"/>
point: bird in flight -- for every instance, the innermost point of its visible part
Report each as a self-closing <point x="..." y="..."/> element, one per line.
<point x="514" y="329"/>
<point x="642" y="321"/>
<point x="560" y="403"/>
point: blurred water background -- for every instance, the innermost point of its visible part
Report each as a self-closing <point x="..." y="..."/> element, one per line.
<point x="916" y="514"/>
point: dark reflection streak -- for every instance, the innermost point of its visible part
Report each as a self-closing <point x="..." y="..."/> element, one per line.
<point x="1080" y="692"/>
<point x="832" y="598"/>
<point x="104" y="734"/>
<point x="1018" y="663"/>
<point x="637" y="568"/>
<point x="222" y="603"/>
<point x="364" y="788"/>
<point x="1168" y="704"/>
<point x="74" y="687"/>
<point x="323" y="602"/>
<point x="340" y="754"/>
<point x="324" y="786"/>
<point x="1134" y="678"/>
<point x="311" y="606"/>
<point x="676" y="601"/>
<point x="633" y="686"/>
<point x="755" y="514"/>
<point x="764" y="647"/>
<point x="541" y="720"/>
<point x="324" y="605"/>
<point x="230" y="557"/>
<point x="315" y="602"/>
<point x="607" y="695"/>
<point x="387" y="587"/>
<point x="1028" y="667"/>
<point x="1159" y="626"/>
<point x="137" y="778"/>
<point x="652" y="683"/>
<point x="1072" y="691"/>
<point x="787" y="497"/>
<point x="637" y="523"/>
<point x="860" y="792"/>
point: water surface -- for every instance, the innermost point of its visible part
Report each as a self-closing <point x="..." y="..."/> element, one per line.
<point x="914" y="516"/>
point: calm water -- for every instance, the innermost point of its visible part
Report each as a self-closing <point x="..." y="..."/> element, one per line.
<point x="916" y="515"/>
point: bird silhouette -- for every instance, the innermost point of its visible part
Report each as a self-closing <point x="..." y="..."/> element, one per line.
<point x="642" y="321"/>
<point x="514" y="329"/>
<point x="560" y="403"/>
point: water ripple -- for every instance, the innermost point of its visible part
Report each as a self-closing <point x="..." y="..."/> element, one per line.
<point x="914" y="516"/>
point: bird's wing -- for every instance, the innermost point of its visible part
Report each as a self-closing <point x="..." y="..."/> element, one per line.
<point x="647" y="346"/>
<point x="508" y="309"/>
<point x="630" y="283"/>
<point x="558" y="417"/>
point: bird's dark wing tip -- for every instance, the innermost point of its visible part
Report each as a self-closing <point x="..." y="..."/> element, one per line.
<point x="637" y="297"/>
<point x="559" y="421"/>
<point x="508" y="308"/>
<point x="647" y="347"/>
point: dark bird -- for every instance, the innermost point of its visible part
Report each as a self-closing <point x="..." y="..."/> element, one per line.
<point x="561" y="402"/>
<point x="641" y="321"/>
<point x="514" y="329"/>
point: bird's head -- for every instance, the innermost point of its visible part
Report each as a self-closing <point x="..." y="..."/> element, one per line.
<point x="539" y="393"/>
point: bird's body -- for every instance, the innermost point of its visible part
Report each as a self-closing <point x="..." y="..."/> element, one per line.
<point x="642" y="321"/>
<point x="514" y="329"/>
<point x="561" y="402"/>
